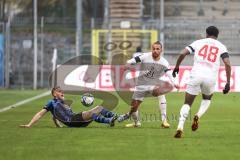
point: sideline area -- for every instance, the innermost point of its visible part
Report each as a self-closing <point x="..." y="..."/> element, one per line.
<point x="25" y="101"/>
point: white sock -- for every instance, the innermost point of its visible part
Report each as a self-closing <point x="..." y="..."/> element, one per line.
<point x="135" y="117"/>
<point x="163" y="107"/>
<point x="203" y="107"/>
<point x="183" y="115"/>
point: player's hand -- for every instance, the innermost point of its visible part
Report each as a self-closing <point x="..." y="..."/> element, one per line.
<point x="175" y="72"/>
<point x="25" y="126"/>
<point x="226" y="88"/>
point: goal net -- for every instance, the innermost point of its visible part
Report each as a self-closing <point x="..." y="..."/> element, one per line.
<point x="107" y="43"/>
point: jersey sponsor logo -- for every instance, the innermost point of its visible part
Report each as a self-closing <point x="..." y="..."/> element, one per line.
<point x="150" y="72"/>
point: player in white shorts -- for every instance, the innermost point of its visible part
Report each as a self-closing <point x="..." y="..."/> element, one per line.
<point x="207" y="53"/>
<point x="152" y="67"/>
<point x="161" y="98"/>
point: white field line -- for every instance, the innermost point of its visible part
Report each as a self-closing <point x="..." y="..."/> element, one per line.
<point x="24" y="101"/>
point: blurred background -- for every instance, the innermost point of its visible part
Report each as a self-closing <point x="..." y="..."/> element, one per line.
<point x="35" y="35"/>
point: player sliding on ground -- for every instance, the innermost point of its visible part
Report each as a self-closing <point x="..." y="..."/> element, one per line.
<point x="152" y="67"/>
<point x="207" y="53"/>
<point x="62" y="112"/>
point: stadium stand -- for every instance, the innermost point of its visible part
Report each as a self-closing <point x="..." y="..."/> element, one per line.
<point x="184" y="22"/>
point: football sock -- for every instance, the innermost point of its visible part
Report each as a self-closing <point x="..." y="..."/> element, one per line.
<point x="123" y="117"/>
<point x="163" y="107"/>
<point x="183" y="115"/>
<point x="101" y="119"/>
<point x="203" y="107"/>
<point x="135" y="117"/>
<point x="107" y="113"/>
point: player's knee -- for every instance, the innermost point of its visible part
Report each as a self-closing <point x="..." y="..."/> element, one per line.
<point x="188" y="102"/>
<point x="135" y="103"/>
<point x="156" y="92"/>
<point x="99" y="107"/>
<point x="96" y="110"/>
<point x="207" y="97"/>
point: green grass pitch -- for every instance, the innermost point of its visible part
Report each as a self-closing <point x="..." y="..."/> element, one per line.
<point x="217" y="138"/>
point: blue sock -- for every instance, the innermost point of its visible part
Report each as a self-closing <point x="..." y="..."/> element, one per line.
<point x="107" y="113"/>
<point x="101" y="119"/>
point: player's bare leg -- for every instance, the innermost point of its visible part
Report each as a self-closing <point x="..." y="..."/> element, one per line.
<point x="206" y="101"/>
<point x="87" y="115"/>
<point x="184" y="114"/>
<point x="134" y="107"/>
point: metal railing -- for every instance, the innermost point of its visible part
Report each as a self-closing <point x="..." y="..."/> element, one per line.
<point x="61" y="35"/>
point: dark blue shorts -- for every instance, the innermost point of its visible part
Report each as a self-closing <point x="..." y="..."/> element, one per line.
<point x="77" y="121"/>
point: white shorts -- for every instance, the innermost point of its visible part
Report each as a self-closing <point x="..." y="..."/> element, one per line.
<point x="206" y="85"/>
<point x="142" y="90"/>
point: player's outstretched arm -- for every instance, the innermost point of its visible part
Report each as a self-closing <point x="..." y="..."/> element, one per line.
<point x="35" y="118"/>
<point x="227" y="64"/>
<point x="183" y="53"/>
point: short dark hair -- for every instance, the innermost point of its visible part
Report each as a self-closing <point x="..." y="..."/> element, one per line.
<point x="139" y="49"/>
<point x="55" y="88"/>
<point x="212" y="31"/>
<point x="158" y="42"/>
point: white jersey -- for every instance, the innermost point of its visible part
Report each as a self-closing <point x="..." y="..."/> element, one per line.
<point x="137" y="54"/>
<point x="151" y="70"/>
<point x="207" y="53"/>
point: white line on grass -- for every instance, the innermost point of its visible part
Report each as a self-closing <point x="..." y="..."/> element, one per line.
<point x="24" y="101"/>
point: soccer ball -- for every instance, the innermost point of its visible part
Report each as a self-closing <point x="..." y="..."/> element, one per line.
<point x="87" y="99"/>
